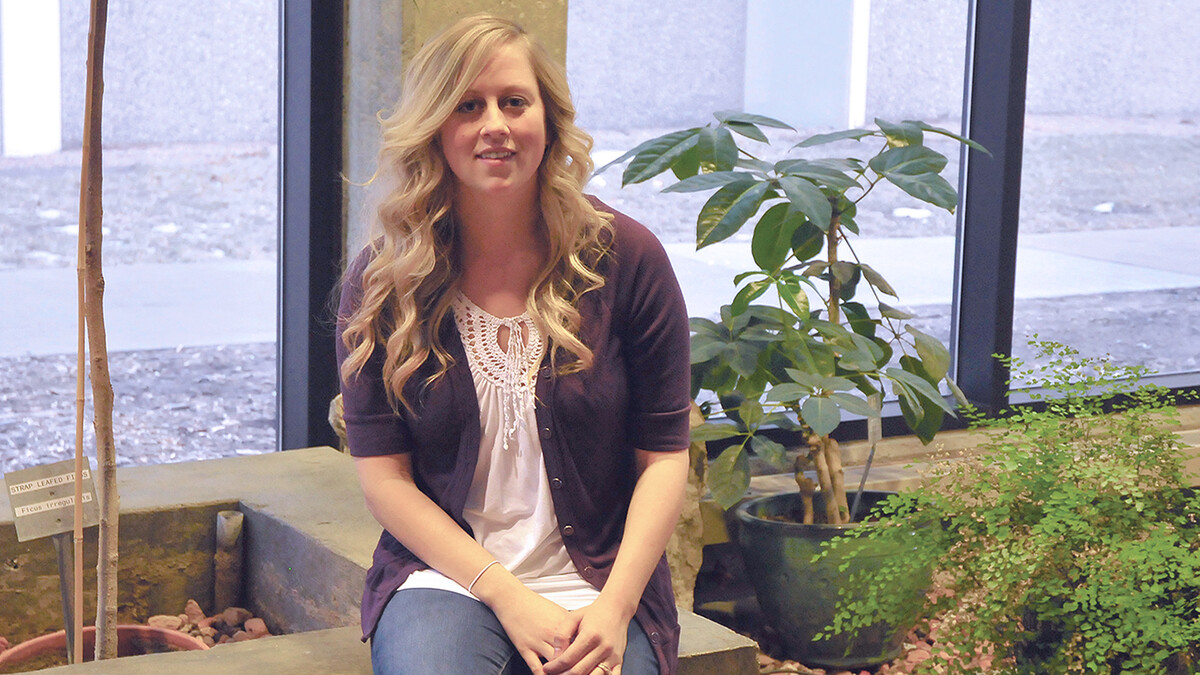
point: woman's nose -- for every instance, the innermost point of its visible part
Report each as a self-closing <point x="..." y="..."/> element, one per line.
<point x="493" y="121"/>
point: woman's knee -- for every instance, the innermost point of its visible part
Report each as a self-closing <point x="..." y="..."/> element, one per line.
<point x="430" y="632"/>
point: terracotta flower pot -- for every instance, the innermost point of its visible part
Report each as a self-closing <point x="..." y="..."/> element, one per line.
<point x="132" y="640"/>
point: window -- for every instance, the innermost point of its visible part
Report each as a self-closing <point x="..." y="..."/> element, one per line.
<point x="190" y="184"/>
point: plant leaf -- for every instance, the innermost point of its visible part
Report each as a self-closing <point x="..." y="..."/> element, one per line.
<point x="728" y="116"/>
<point x="808" y="241"/>
<point x="951" y="134"/>
<point x="770" y="451"/>
<point x="909" y="160"/>
<point x="708" y="181"/>
<point x="748" y="293"/>
<point x="902" y="134"/>
<point x="854" y="404"/>
<point x="876" y="279"/>
<point x="748" y="130"/>
<point x="658" y="156"/>
<point x="929" y="188"/>
<point x="773" y="237"/>
<point x="918" y="386"/>
<point x="933" y="353"/>
<point x="848" y="134"/>
<point x="717" y="149"/>
<point x="729" y="476"/>
<point x="706" y="348"/>
<point x="727" y="210"/>
<point x="807" y="199"/>
<point x="817" y="173"/>
<point x="893" y="313"/>
<point x="687" y="164"/>
<point x="785" y="392"/>
<point x="821" y="414"/>
<point x="710" y="431"/>
<point x="790" y="292"/>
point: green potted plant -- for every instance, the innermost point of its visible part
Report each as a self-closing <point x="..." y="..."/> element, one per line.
<point x="815" y="351"/>
<point x="1069" y="544"/>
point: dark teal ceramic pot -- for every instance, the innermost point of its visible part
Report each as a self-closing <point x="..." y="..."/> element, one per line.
<point x="797" y="595"/>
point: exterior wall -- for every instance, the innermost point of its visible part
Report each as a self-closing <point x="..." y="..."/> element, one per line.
<point x="176" y="71"/>
<point x="206" y="71"/>
<point x="1116" y="59"/>
<point x="916" y="55"/>
<point x="635" y="64"/>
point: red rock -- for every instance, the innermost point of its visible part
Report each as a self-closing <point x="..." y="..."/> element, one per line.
<point x="165" y="621"/>
<point x="223" y="639"/>
<point x="193" y="612"/>
<point x="256" y="627"/>
<point x="241" y="636"/>
<point x="207" y="639"/>
<point x="917" y="655"/>
<point x="236" y="616"/>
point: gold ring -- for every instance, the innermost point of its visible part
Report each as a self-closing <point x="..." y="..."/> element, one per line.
<point x="605" y="668"/>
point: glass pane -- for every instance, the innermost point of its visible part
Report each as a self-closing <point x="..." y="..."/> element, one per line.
<point x="190" y="182"/>
<point x="1110" y="204"/>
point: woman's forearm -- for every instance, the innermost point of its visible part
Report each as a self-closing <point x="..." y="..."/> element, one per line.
<point x="653" y="512"/>
<point x="416" y="521"/>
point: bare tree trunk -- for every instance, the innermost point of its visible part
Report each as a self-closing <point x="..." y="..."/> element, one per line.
<point x="837" y="477"/>
<point x="824" y="479"/>
<point x="91" y="210"/>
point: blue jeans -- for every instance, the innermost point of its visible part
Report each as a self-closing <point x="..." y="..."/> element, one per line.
<point x="433" y="632"/>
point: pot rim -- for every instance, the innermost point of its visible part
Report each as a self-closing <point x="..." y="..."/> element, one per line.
<point x="36" y="646"/>
<point x="742" y="512"/>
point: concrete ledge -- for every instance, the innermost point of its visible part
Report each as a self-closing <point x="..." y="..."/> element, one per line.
<point x="309" y="541"/>
<point x="707" y="649"/>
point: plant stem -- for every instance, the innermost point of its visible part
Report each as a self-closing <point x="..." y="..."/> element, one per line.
<point x="824" y="478"/>
<point x="91" y="210"/>
<point x="833" y="459"/>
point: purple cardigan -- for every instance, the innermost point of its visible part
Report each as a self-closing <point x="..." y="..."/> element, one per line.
<point x="636" y="395"/>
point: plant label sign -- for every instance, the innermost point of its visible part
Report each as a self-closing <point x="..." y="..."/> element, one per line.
<point x="43" y="499"/>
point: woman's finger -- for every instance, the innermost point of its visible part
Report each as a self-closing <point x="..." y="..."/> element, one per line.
<point x="531" y="659"/>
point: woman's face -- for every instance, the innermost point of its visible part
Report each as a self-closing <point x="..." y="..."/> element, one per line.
<point x="495" y="138"/>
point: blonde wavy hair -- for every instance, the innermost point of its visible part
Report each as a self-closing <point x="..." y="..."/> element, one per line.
<point x="412" y="277"/>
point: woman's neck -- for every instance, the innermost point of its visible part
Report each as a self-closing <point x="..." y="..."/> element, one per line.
<point x="502" y="248"/>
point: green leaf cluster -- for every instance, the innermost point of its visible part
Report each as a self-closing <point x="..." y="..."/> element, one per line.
<point x="1067" y="544"/>
<point x="816" y="353"/>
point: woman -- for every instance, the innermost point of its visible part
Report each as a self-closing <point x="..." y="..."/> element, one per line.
<point x="514" y="362"/>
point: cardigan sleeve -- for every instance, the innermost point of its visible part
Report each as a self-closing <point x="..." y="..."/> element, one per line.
<point x="653" y="321"/>
<point x="373" y="427"/>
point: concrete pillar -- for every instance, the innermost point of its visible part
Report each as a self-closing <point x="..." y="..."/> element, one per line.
<point x="30" y="78"/>
<point x="380" y="37"/>
<point x="806" y="61"/>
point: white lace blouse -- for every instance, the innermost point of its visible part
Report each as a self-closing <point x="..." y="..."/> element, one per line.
<point x="508" y="505"/>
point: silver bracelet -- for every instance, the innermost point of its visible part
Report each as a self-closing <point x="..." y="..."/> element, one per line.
<point x="471" y="586"/>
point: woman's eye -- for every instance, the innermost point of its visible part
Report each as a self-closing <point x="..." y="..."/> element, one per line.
<point x="515" y="102"/>
<point x="467" y="107"/>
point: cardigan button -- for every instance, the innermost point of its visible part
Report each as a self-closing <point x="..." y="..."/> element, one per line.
<point x="556" y="483"/>
<point x="546" y="373"/>
<point x="544" y="432"/>
<point x="568" y="530"/>
<point x="588" y="573"/>
<point x="654" y="637"/>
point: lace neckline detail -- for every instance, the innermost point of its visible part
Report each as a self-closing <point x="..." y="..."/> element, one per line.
<point x="513" y="370"/>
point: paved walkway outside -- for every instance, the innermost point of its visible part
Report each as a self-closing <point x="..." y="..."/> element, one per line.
<point x="155" y="306"/>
